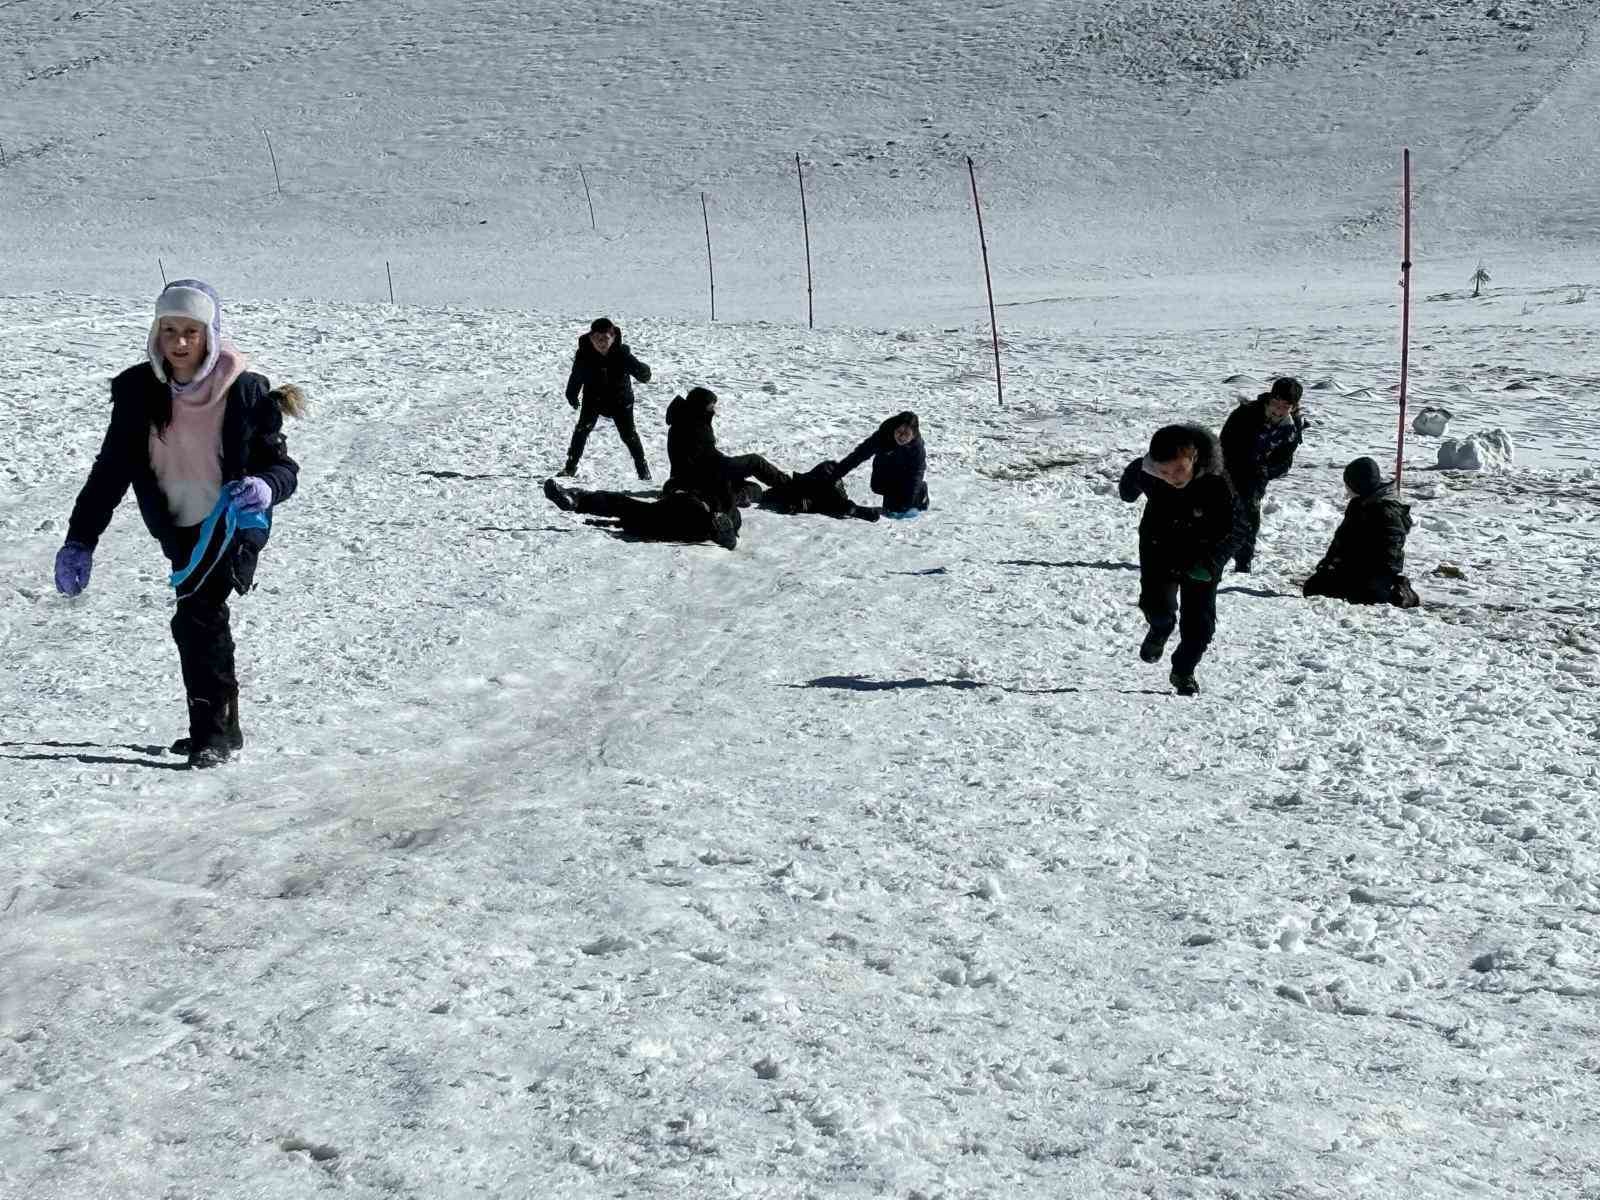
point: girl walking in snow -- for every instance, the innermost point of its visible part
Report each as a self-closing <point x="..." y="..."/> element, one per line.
<point x="603" y="371"/>
<point x="1185" y="537"/>
<point x="199" y="438"/>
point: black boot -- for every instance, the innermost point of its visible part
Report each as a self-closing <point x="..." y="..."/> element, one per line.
<point x="558" y="495"/>
<point x="1186" y="685"/>
<point x="1153" y="646"/>
<point x="213" y="735"/>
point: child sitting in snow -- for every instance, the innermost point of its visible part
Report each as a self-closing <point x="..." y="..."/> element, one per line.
<point x="1366" y="562"/>
<point x="899" y="465"/>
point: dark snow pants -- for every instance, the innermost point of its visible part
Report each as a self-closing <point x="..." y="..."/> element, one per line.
<point x="676" y="517"/>
<point x="1248" y="526"/>
<point x="203" y="635"/>
<point x="1159" y="594"/>
<point x="588" y="415"/>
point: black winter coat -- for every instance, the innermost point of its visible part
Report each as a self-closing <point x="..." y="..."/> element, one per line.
<point x="1187" y="527"/>
<point x="605" y="381"/>
<point x="697" y="466"/>
<point x="897" y="471"/>
<point x="1254" y="452"/>
<point x="1369" y="547"/>
<point x="252" y="444"/>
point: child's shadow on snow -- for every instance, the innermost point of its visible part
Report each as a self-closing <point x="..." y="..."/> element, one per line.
<point x="1095" y="566"/>
<point x="95" y="759"/>
<point x="859" y="683"/>
<point x="1262" y="593"/>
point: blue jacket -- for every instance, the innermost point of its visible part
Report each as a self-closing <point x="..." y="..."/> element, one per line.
<point x="252" y="444"/>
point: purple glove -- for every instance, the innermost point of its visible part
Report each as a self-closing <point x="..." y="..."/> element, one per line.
<point x="250" y="494"/>
<point x="73" y="562"/>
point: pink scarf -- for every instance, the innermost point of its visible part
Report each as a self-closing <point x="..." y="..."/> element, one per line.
<point x="187" y="455"/>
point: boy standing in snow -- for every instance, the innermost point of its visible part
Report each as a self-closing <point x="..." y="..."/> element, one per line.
<point x="1185" y="538"/>
<point x="1366" y="562"/>
<point x="603" y="371"/>
<point x="199" y="437"/>
<point x="899" y="465"/>
<point x="1258" y="444"/>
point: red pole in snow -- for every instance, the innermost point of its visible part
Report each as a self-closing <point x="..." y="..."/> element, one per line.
<point x="994" y="328"/>
<point x="805" y="223"/>
<point x="710" y="271"/>
<point x="1405" y="314"/>
<point x="588" y="197"/>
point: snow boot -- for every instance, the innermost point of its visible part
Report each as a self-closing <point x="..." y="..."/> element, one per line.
<point x="233" y="734"/>
<point x="1186" y="685"/>
<point x="723" y="531"/>
<point x="558" y="495"/>
<point x="1153" y="646"/>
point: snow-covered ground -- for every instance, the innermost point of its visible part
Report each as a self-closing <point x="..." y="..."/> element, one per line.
<point x="868" y="859"/>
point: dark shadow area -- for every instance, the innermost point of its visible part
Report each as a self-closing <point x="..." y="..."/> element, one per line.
<point x="859" y="683"/>
<point x="526" y="529"/>
<point x="929" y="571"/>
<point x="1093" y="566"/>
<point x="107" y="760"/>
<point x="137" y="749"/>
<point x="1262" y="593"/>
<point x="465" y="475"/>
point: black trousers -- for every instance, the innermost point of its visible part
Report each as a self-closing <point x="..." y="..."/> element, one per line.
<point x="1248" y="525"/>
<point x="675" y="517"/>
<point x="1159" y="594"/>
<point x="588" y="415"/>
<point x="753" y="466"/>
<point x="200" y="627"/>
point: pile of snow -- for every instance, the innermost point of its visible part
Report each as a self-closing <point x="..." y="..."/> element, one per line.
<point x="1490" y="450"/>
<point x="1431" y="422"/>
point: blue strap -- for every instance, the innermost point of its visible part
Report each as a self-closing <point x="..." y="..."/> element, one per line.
<point x="234" y="519"/>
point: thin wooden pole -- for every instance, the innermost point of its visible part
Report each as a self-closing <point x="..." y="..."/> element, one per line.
<point x="805" y="224"/>
<point x="588" y="197"/>
<point x="710" y="271"/>
<point x="162" y="267"/>
<point x="274" y="158"/>
<point x="390" y="274"/>
<point x="994" y="326"/>
<point x="1405" y="312"/>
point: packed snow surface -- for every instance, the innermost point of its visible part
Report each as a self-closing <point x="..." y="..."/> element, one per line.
<point x="866" y="860"/>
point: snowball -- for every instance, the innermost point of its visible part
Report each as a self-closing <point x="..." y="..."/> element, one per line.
<point x="1431" y="422"/>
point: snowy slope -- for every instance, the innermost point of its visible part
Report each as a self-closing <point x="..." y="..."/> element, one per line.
<point x="868" y="859"/>
<point x="1116" y="153"/>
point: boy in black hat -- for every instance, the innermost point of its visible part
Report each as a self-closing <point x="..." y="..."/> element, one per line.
<point x="1366" y="562"/>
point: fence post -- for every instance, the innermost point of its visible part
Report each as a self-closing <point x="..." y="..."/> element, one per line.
<point x="805" y="224"/>
<point x="994" y="328"/>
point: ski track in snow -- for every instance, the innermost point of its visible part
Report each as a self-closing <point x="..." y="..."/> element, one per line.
<point x="864" y="860"/>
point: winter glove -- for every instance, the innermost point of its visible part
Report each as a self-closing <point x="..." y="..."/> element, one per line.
<point x="73" y="563"/>
<point x="572" y="402"/>
<point x="1199" y="574"/>
<point x="250" y="494"/>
